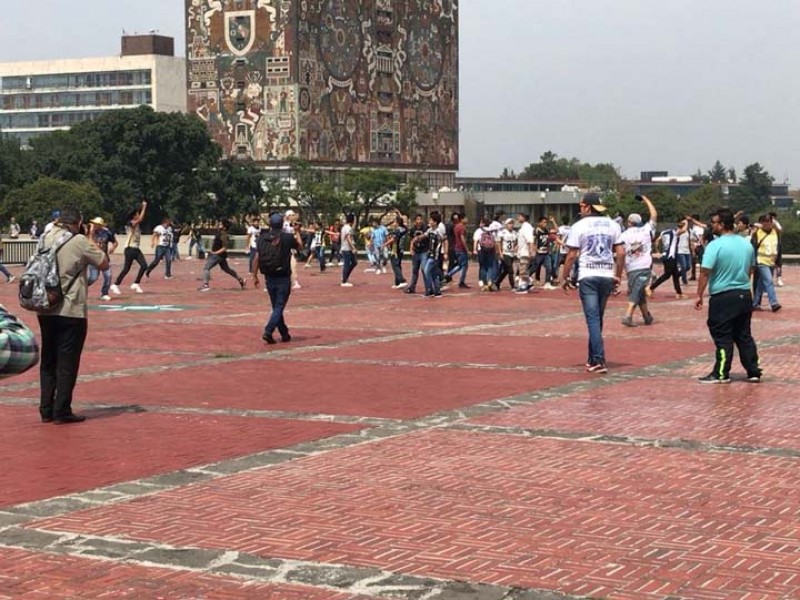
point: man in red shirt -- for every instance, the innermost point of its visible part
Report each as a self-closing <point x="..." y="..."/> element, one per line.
<point x="461" y="251"/>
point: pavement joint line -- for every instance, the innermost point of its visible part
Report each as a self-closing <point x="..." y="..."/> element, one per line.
<point x="253" y="568"/>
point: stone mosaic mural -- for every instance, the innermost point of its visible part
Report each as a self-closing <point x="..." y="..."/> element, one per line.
<point x="331" y="81"/>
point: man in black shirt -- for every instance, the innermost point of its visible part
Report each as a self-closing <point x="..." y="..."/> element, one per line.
<point x="219" y="256"/>
<point x="419" y="250"/>
<point x="275" y="263"/>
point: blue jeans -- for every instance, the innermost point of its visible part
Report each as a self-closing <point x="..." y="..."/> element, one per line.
<point x="319" y="252"/>
<point x="195" y="242"/>
<point x="5" y="271"/>
<point x="165" y="253"/>
<point x="432" y="274"/>
<point x="594" y="293"/>
<point x="279" y="288"/>
<point x="350" y="262"/>
<point x="462" y="265"/>
<point x="764" y="283"/>
<point x="417" y="263"/>
<point x="94" y="275"/>
<point x="684" y="266"/>
<point x="487" y="263"/>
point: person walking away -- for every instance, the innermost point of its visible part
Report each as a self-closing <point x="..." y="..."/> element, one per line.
<point x="394" y="245"/>
<point x="419" y="247"/>
<point x="219" y="257"/>
<point x="19" y="351"/>
<point x="726" y="270"/>
<point x="507" y="239"/>
<point x="597" y="239"/>
<point x="348" y="250"/>
<point x="253" y="231"/>
<point x="64" y="328"/>
<point x="485" y="247"/>
<point x="162" y="242"/>
<point x="133" y="252"/>
<point x="638" y="240"/>
<point x="460" y="252"/>
<point x="669" y="259"/>
<point x="274" y="261"/>
<point x="104" y="239"/>
<point x="767" y="246"/>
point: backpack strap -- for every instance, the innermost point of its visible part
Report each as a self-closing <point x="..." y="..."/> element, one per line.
<point x="75" y="277"/>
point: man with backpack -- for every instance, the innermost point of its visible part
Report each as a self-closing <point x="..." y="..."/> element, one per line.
<point x="275" y="263"/>
<point x="62" y="310"/>
<point x="485" y="248"/>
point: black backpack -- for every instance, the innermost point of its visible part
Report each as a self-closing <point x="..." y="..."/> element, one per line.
<point x="270" y="255"/>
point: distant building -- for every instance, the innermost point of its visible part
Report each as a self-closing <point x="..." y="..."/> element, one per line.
<point x="339" y="83"/>
<point x="44" y="96"/>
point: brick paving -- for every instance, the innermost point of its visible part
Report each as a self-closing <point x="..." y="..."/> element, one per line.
<point x="402" y="448"/>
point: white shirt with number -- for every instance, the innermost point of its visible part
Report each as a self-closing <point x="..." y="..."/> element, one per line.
<point x="253" y="232"/>
<point x="164" y="235"/>
<point x="595" y="237"/>
<point x="508" y="242"/>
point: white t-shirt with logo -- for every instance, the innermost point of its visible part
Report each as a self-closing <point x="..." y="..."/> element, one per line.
<point x="638" y="247"/>
<point x="253" y="232"/>
<point x="563" y="232"/>
<point x="596" y="238"/>
<point x="164" y="235"/>
<point x="508" y="242"/>
<point x="524" y="240"/>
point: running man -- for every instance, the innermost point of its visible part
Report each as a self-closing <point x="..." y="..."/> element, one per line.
<point x="219" y="256"/>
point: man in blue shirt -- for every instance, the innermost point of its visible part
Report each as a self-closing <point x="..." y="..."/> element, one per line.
<point x="726" y="269"/>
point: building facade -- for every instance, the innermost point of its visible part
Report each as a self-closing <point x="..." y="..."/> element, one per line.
<point x="339" y="83"/>
<point x="44" y="96"/>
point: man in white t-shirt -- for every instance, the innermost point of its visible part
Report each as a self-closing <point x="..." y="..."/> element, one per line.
<point x="602" y="257"/>
<point x="253" y="231"/>
<point x="162" y="242"/>
<point x="348" y="250"/>
<point x="525" y="249"/>
<point x="638" y="240"/>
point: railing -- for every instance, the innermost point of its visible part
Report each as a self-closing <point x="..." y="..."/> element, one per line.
<point x="18" y="252"/>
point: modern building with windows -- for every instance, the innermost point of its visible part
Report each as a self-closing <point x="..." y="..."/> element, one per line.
<point x="340" y="83"/>
<point x="44" y="96"/>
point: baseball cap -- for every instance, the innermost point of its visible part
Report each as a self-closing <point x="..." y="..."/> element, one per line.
<point x="635" y="219"/>
<point x="98" y="221"/>
<point x="275" y="220"/>
<point x="290" y="213"/>
<point x="507" y="221"/>
<point x="594" y="200"/>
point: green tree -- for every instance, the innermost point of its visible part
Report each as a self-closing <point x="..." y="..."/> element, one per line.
<point x="369" y="190"/>
<point x="316" y="192"/>
<point x="15" y="167"/>
<point x="753" y="195"/>
<point x="702" y="202"/>
<point x="229" y="188"/>
<point x="39" y="199"/>
<point x="732" y="175"/>
<point x="133" y="154"/>
<point x="551" y="167"/>
<point x="718" y="173"/>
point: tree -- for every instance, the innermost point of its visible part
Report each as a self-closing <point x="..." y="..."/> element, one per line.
<point x="553" y="168"/>
<point x="718" y="173"/>
<point x="732" y="175"/>
<point x="368" y="190"/>
<point x="15" y="167"/>
<point x="702" y="202"/>
<point x="753" y="195"/>
<point x="38" y="200"/>
<point x="228" y="188"/>
<point x="316" y="192"/>
<point x="133" y="154"/>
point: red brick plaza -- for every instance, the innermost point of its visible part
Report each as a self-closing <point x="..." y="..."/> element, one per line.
<point x="402" y="448"/>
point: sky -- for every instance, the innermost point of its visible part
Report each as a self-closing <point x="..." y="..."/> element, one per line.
<point x="645" y="85"/>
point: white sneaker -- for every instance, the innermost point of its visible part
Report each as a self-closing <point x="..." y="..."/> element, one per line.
<point x="296" y="286"/>
<point x="369" y="270"/>
<point x="549" y="286"/>
<point x="115" y="290"/>
<point x="348" y="284"/>
<point x="480" y="284"/>
<point x="12" y="279"/>
<point x="188" y="258"/>
<point x="137" y="288"/>
<point x="780" y="281"/>
<point x="402" y="285"/>
<point x="105" y="298"/>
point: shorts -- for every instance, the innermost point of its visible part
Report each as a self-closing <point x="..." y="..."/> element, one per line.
<point x="637" y="282"/>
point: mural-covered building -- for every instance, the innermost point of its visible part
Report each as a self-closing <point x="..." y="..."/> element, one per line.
<point x="336" y="82"/>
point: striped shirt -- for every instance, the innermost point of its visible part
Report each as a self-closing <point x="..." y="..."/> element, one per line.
<point x="18" y="349"/>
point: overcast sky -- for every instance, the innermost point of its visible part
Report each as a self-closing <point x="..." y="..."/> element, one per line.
<point x="646" y="85"/>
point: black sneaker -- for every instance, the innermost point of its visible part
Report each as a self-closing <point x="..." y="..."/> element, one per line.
<point x="269" y="339"/>
<point x="776" y="308"/>
<point x="463" y="286"/>
<point x="711" y="378"/>
<point x="411" y="291"/>
<point x="286" y="338"/>
<point x="648" y="319"/>
<point x="242" y="282"/>
<point x="754" y="378"/>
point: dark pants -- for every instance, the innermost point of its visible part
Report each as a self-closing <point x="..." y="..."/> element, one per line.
<point x="417" y="262"/>
<point x="397" y="268"/>
<point x="546" y="261"/>
<point x="350" y="262"/>
<point x="729" y="315"/>
<point x="461" y="260"/>
<point x="506" y="270"/>
<point x="214" y="260"/>
<point x="335" y="252"/>
<point x="162" y="253"/>
<point x="279" y="288"/>
<point x="320" y="254"/>
<point x="132" y="255"/>
<point x="62" y="344"/>
<point x="670" y="270"/>
<point x="432" y="275"/>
